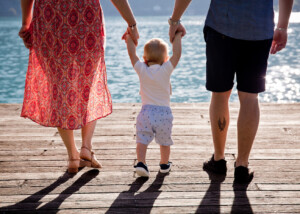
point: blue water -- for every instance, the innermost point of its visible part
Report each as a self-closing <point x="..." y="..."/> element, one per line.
<point x="188" y="80"/>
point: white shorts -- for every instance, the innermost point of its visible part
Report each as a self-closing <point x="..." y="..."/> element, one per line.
<point x="154" y="121"/>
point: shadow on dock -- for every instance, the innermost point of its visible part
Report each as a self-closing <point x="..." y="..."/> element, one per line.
<point x="211" y="200"/>
<point x="31" y="204"/>
<point x="130" y="202"/>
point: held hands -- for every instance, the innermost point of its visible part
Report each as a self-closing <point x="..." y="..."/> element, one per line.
<point x="126" y="36"/>
<point x="25" y="34"/>
<point x="174" y="29"/>
<point x="178" y="34"/>
<point x="133" y="33"/>
<point x="279" y="41"/>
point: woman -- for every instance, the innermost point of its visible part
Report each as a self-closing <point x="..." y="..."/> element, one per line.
<point x="66" y="85"/>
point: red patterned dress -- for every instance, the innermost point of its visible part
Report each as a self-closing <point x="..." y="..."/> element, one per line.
<point x="66" y="83"/>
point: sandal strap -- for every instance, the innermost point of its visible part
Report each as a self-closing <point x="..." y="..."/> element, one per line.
<point x="92" y="157"/>
<point x="91" y="151"/>
<point x="74" y="159"/>
<point x="84" y="147"/>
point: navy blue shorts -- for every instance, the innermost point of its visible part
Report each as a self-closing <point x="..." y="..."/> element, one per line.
<point x="227" y="57"/>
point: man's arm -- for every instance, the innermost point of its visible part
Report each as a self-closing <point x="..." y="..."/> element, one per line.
<point x="124" y="9"/>
<point x="179" y="8"/>
<point x="280" y="34"/>
<point x="131" y="50"/>
<point x="176" y="49"/>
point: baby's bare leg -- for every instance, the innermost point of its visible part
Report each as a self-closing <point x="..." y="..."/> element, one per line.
<point x="141" y="150"/>
<point x="164" y="154"/>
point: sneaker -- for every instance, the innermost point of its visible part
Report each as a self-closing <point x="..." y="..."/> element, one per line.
<point x="242" y="175"/>
<point x="165" y="168"/>
<point x="218" y="167"/>
<point x="141" y="169"/>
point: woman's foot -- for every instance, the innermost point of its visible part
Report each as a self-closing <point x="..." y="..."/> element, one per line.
<point x="89" y="158"/>
<point x="74" y="163"/>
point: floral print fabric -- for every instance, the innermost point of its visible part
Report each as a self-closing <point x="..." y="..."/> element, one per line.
<point x="66" y="83"/>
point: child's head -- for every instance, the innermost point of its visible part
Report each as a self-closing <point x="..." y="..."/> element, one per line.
<point x="156" y="51"/>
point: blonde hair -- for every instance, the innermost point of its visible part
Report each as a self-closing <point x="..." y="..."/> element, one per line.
<point x="156" y="50"/>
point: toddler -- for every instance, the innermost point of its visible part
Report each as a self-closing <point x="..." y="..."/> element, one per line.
<point x="155" y="118"/>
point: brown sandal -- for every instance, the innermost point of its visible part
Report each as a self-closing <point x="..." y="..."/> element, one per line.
<point x="92" y="162"/>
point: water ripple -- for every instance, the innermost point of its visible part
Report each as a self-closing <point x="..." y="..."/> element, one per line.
<point x="188" y="80"/>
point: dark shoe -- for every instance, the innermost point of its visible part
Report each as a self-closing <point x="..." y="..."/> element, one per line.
<point x="218" y="167"/>
<point x="141" y="169"/>
<point x="242" y="175"/>
<point x="165" y="168"/>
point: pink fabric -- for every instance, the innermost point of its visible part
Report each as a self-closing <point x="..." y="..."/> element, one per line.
<point x="66" y="83"/>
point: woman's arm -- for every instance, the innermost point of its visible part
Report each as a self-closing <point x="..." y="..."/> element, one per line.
<point x="26" y="6"/>
<point x="124" y="9"/>
<point x="280" y="34"/>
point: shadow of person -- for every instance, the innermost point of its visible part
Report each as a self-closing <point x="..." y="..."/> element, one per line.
<point x="53" y="206"/>
<point x="126" y="199"/>
<point x="211" y="200"/>
<point x="32" y="202"/>
<point x="147" y="198"/>
<point x="241" y="202"/>
<point x="128" y="202"/>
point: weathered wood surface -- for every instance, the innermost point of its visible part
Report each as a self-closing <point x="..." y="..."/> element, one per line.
<point x="33" y="164"/>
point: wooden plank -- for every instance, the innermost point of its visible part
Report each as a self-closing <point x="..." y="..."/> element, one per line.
<point x="32" y="163"/>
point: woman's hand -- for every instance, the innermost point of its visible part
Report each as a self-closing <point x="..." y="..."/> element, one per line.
<point x="174" y="29"/>
<point x="134" y="34"/>
<point x="279" y="41"/>
<point x="25" y="34"/>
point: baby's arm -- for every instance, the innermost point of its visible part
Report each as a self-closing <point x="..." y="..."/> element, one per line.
<point x="131" y="50"/>
<point x="176" y="49"/>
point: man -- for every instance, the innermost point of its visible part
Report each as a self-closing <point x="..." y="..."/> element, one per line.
<point x="239" y="36"/>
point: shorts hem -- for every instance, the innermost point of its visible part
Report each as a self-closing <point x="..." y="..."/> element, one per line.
<point x="164" y="144"/>
<point x="146" y="144"/>
<point x="252" y="91"/>
<point x="218" y="90"/>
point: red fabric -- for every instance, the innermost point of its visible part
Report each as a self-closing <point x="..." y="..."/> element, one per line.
<point x="66" y="83"/>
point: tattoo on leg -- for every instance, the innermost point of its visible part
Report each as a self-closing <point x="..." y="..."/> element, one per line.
<point x="221" y="124"/>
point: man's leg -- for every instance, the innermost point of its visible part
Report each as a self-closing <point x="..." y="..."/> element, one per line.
<point x="219" y="119"/>
<point x="247" y="125"/>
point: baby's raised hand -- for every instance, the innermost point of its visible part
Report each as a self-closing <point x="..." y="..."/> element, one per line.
<point x="179" y="33"/>
<point x="125" y="36"/>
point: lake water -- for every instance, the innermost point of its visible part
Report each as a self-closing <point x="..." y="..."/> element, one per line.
<point x="188" y="80"/>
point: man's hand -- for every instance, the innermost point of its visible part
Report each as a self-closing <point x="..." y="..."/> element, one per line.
<point x="25" y="34"/>
<point x="279" y="41"/>
<point x="174" y="29"/>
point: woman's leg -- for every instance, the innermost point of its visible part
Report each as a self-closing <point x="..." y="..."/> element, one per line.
<point x="68" y="139"/>
<point x="87" y="135"/>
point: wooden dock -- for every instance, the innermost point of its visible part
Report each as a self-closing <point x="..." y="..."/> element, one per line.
<point x="33" y="165"/>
